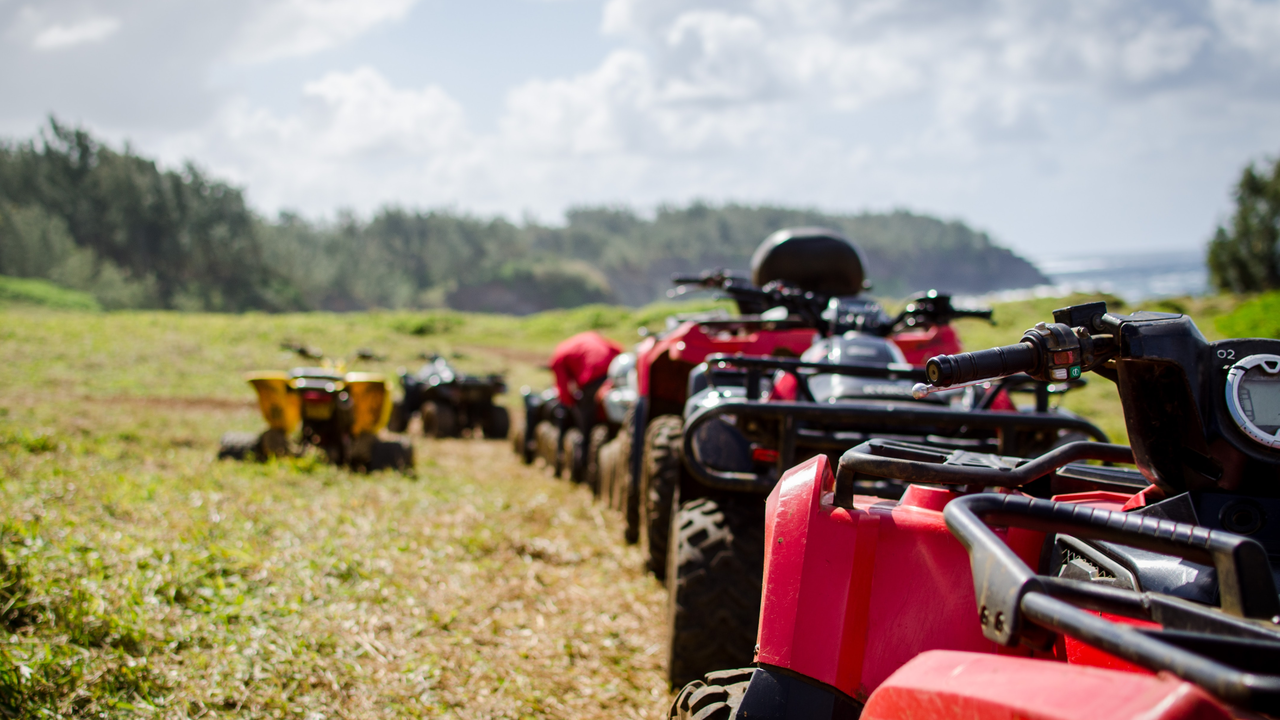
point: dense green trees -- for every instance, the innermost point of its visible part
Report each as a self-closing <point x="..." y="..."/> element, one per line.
<point x="1243" y="257"/>
<point x="76" y="211"/>
<point x="113" y="224"/>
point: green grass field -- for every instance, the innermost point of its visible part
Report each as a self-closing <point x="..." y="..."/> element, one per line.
<point x="140" y="577"/>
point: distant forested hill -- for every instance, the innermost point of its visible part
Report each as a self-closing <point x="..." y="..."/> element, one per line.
<point x="114" y="224"/>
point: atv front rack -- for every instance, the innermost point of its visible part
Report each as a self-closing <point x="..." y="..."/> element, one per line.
<point x="831" y="428"/>
<point x="756" y="368"/>
<point x="1232" y="652"/>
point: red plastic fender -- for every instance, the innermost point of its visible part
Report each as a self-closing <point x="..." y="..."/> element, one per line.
<point x="852" y="595"/>
<point x="918" y="346"/>
<point x="690" y="344"/>
<point x="944" y="684"/>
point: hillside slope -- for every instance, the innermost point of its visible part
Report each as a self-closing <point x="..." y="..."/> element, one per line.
<point x="113" y="224"/>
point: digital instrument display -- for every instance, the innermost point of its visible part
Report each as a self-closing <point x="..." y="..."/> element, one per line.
<point x="1253" y="397"/>
<point x="1260" y="399"/>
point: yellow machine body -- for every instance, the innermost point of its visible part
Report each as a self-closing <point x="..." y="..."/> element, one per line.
<point x="280" y="406"/>
<point x="370" y="402"/>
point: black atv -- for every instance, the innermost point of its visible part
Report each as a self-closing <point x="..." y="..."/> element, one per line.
<point x="449" y="402"/>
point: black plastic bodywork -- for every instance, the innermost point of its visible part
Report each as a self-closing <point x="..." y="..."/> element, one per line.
<point x="326" y="420"/>
<point x="777" y="694"/>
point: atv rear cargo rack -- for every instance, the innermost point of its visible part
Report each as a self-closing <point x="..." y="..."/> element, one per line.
<point x="1232" y="651"/>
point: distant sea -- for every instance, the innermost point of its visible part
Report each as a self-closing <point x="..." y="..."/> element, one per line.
<point x="1133" y="277"/>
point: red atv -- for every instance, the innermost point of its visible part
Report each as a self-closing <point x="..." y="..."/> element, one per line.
<point x="741" y="435"/>
<point x="1130" y="594"/>
<point x="794" y="274"/>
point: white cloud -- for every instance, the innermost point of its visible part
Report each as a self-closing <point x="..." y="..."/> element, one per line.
<point x="83" y="32"/>
<point x="294" y="28"/>
<point x="356" y="142"/>
<point x="1045" y="122"/>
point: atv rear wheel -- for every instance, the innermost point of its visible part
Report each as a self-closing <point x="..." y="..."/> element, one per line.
<point x="399" y="420"/>
<point x="391" y="455"/>
<point x="497" y="423"/>
<point x="660" y="477"/>
<point x="599" y="437"/>
<point x="715" y="697"/>
<point x="713" y="581"/>
<point x="240" y="446"/>
<point x="439" y="420"/>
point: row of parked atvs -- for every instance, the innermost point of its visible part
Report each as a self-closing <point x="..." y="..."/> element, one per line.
<point x="338" y="413"/>
<point x="854" y="518"/>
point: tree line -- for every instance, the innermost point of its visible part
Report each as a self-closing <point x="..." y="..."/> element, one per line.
<point x="1244" y="255"/>
<point x="105" y="220"/>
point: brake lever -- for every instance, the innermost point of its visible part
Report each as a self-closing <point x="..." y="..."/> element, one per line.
<point x="921" y="391"/>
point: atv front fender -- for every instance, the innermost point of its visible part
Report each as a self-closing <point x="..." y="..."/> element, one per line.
<point x="852" y="594"/>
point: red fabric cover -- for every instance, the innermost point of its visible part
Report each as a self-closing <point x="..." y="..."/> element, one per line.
<point x="579" y="360"/>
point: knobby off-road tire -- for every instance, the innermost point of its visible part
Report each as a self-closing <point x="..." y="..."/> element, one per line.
<point x="399" y="420"/>
<point x="609" y="461"/>
<point x="439" y="420"/>
<point x="662" y="469"/>
<point x="547" y="438"/>
<point x="713" y="583"/>
<point x="497" y="424"/>
<point x="715" y="697"/>
<point x="599" y="437"/>
<point x="240" y="446"/>
<point x="391" y="455"/>
<point x="625" y="487"/>
<point x="573" y="455"/>
<point x="516" y="436"/>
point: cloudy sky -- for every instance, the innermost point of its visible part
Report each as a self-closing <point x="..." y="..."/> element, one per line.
<point x="1062" y="128"/>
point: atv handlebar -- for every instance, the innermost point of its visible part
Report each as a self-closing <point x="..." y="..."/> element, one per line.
<point x="948" y="370"/>
<point x="687" y="280"/>
<point x="979" y="314"/>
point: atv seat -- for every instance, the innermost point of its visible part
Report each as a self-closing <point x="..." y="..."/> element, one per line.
<point x="811" y="258"/>
<point x="318" y="373"/>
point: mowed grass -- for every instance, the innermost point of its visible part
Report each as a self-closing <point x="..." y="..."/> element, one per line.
<point x="141" y="577"/>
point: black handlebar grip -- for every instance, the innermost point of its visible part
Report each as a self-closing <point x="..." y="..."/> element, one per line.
<point x="948" y="370"/>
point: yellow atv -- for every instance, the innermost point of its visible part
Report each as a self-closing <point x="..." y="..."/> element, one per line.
<point x="337" y="412"/>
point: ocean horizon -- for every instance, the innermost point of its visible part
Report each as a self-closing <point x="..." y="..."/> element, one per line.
<point x="1133" y="277"/>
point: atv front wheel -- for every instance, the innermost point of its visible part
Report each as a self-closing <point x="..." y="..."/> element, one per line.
<point x="497" y="424"/>
<point x="240" y="446"/>
<point x="572" y="452"/>
<point x="391" y="455"/>
<point x="547" y="438"/>
<point x="439" y="420"/>
<point x="713" y="581"/>
<point x="622" y="492"/>
<point x="599" y="436"/>
<point x="715" y="697"/>
<point x="660" y="477"/>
